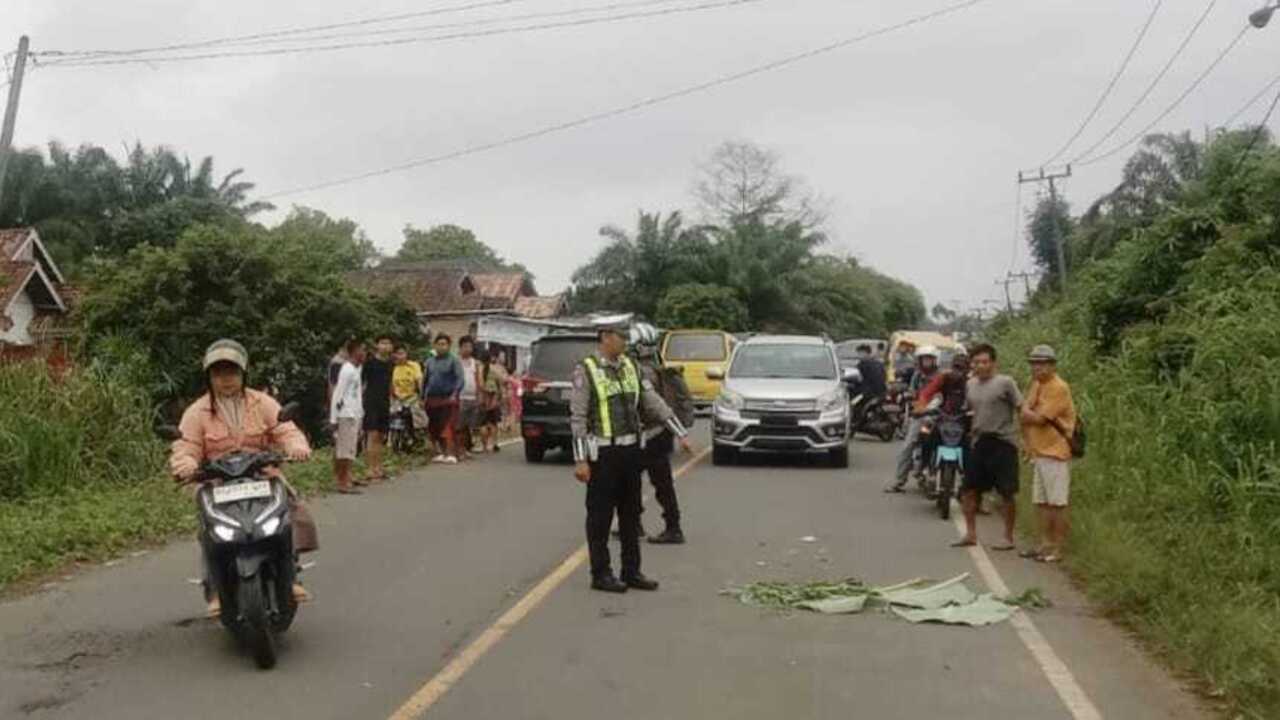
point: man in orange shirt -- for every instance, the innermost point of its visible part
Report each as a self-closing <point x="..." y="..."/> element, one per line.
<point x="1048" y="420"/>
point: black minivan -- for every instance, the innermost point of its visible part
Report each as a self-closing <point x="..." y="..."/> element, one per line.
<point x="545" y="416"/>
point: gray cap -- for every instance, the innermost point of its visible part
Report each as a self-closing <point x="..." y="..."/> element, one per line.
<point x="1043" y="353"/>
<point x="226" y="351"/>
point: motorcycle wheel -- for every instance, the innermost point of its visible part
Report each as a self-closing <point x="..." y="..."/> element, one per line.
<point x="947" y="483"/>
<point x="887" y="431"/>
<point x="256" y="631"/>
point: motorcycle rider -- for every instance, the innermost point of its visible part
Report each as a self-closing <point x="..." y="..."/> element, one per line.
<point x="659" y="442"/>
<point x="228" y="418"/>
<point x="926" y="370"/>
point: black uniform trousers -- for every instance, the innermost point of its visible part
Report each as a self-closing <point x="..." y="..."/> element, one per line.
<point x="656" y="461"/>
<point x="614" y="487"/>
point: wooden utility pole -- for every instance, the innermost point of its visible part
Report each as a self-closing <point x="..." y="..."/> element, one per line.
<point x="11" y="111"/>
<point x="1058" y="240"/>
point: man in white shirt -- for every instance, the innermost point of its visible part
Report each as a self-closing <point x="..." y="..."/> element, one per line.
<point x="469" y="417"/>
<point x="346" y="413"/>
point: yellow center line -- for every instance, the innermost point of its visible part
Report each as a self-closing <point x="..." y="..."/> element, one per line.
<point x="435" y="688"/>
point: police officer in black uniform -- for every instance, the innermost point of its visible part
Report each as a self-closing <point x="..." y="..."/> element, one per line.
<point x="609" y="407"/>
<point x="659" y="442"/>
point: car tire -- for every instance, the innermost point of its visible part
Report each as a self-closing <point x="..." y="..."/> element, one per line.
<point x="721" y="455"/>
<point x="840" y="458"/>
<point x="534" y="451"/>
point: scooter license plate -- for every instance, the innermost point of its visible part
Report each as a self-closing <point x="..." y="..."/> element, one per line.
<point x="950" y="454"/>
<point x="241" y="491"/>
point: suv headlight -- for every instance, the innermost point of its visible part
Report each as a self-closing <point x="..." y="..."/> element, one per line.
<point x="834" y="400"/>
<point x="730" y="400"/>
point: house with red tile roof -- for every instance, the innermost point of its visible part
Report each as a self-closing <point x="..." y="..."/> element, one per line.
<point x="34" y="296"/>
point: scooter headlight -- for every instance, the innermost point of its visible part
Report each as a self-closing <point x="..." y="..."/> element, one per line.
<point x="224" y="533"/>
<point x="271" y="525"/>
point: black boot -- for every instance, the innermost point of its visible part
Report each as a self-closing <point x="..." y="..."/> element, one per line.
<point x="639" y="582"/>
<point x="608" y="583"/>
<point x="670" y="536"/>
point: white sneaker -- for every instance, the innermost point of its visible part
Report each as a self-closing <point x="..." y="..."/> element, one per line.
<point x="450" y="460"/>
<point x="438" y="459"/>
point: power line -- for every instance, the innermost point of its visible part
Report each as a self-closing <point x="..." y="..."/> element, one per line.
<point x="1124" y="65"/>
<point x="1138" y="136"/>
<point x="87" y="62"/>
<point x="1257" y="135"/>
<point x="231" y="39"/>
<point x="1252" y="101"/>
<point x="461" y="23"/>
<point x="638" y="105"/>
<point x="1152" y="86"/>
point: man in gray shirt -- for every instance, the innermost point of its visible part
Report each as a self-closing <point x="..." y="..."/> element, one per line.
<point x="993" y="464"/>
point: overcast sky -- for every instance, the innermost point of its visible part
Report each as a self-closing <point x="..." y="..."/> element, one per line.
<point x="915" y="136"/>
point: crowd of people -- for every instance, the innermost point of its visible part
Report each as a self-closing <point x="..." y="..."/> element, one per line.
<point x="1003" y="423"/>
<point x="458" y="402"/>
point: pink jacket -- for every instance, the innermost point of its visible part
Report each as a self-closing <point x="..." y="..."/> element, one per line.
<point x="205" y="436"/>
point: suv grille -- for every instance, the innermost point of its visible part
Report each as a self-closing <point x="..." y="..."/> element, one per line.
<point x="781" y="406"/>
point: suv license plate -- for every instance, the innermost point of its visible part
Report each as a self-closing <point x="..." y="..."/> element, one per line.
<point x="242" y="491"/>
<point x="779" y="421"/>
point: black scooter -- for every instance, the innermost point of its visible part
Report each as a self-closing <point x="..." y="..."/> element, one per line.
<point x="870" y="416"/>
<point x="247" y="536"/>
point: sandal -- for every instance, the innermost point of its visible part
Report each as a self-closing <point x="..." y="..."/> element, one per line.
<point x="964" y="543"/>
<point x="350" y="491"/>
<point x="1031" y="554"/>
<point x="1049" y="559"/>
<point x="1006" y="547"/>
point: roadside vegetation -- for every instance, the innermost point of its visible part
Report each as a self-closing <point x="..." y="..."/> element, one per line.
<point x="1169" y="336"/>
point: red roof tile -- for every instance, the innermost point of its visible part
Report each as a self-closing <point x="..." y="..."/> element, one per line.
<point x="540" y="307"/>
<point x="506" y="285"/>
<point x="11" y="241"/>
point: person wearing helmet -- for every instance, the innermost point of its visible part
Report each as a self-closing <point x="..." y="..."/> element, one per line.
<point x="659" y="442"/>
<point x="230" y="417"/>
<point x="609" y="408"/>
<point x="926" y="370"/>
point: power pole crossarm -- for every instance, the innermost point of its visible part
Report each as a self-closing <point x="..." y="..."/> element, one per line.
<point x="11" y="111"/>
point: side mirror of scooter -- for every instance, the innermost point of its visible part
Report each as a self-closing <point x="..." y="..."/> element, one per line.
<point x="168" y="432"/>
<point x="290" y="412"/>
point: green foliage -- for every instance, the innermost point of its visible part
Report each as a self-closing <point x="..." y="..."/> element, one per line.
<point x="90" y="428"/>
<point x="290" y="309"/>
<point x="450" y="243"/>
<point x="772" y="267"/>
<point x="1168" y="337"/>
<point x="85" y="203"/>
<point x="332" y="245"/>
<point x="1050" y="221"/>
<point x="709" y="307"/>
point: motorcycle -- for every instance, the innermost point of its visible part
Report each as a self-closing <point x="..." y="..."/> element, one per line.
<point x="897" y="405"/>
<point x="870" y="416"/>
<point x="944" y="442"/>
<point x="246" y="532"/>
<point x="402" y="435"/>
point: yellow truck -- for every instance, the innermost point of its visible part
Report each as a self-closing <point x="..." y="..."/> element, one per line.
<point x="696" y="351"/>
<point x="900" y="341"/>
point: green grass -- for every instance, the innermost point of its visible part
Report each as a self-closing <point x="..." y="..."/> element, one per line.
<point x="1176" y="509"/>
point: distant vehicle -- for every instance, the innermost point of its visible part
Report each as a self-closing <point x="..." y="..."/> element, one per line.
<point x="696" y="352"/>
<point x="847" y="350"/>
<point x="782" y="393"/>
<point x="544" y="421"/>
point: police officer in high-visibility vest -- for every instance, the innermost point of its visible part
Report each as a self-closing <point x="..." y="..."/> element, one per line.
<point x="609" y="406"/>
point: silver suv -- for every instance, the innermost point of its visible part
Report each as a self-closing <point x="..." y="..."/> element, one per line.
<point x="782" y="393"/>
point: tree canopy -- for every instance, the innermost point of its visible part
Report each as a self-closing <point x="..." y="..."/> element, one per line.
<point x="450" y="242"/>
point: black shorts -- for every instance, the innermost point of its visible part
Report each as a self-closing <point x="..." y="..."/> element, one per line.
<point x="993" y="465"/>
<point x="377" y="417"/>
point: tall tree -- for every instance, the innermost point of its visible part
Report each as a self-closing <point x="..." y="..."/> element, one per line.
<point x="1049" y="223"/>
<point x="741" y="181"/>
<point x="338" y="245"/>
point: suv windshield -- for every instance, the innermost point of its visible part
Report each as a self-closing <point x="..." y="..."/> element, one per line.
<point x="554" y="359"/>
<point x="804" y="362"/>
<point x="695" y="348"/>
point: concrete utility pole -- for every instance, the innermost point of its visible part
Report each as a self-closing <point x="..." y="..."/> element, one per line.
<point x="1058" y="240"/>
<point x="1008" y="299"/>
<point x="11" y="111"/>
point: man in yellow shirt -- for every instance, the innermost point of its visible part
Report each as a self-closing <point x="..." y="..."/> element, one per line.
<point x="406" y="387"/>
<point x="1048" y="420"/>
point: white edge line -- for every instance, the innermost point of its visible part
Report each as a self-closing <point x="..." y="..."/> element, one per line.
<point x="1055" y="670"/>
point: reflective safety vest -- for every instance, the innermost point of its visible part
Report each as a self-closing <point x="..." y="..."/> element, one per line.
<point x="617" y="406"/>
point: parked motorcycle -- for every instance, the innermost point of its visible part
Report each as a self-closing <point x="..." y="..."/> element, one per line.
<point x="402" y="436"/>
<point x="247" y="535"/>
<point x="870" y="417"/>
<point x="897" y="406"/>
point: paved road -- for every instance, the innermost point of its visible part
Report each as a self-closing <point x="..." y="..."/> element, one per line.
<point x="411" y="573"/>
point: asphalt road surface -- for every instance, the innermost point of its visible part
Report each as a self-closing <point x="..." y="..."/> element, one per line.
<point x="433" y="598"/>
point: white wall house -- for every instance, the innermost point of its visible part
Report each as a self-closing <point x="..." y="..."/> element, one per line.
<point x="31" y="286"/>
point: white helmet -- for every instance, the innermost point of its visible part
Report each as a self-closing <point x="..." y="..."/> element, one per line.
<point x="927" y="351"/>
<point x="644" y="335"/>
